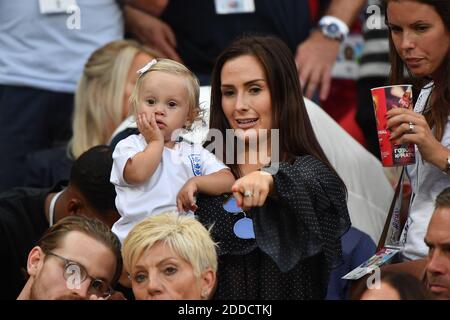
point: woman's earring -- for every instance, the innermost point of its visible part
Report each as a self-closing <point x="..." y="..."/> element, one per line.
<point x="204" y="294"/>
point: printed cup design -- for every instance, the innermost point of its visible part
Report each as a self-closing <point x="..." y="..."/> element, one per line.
<point x="385" y="99"/>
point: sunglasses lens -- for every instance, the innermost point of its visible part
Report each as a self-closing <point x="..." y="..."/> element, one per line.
<point x="243" y="228"/>
<point x="231" y="206"/>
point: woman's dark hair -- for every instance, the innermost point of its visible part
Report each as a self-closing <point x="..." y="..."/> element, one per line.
<point x="289" y="114"/>
<point x="440" y="106"/>
<point x="407" y="286"/>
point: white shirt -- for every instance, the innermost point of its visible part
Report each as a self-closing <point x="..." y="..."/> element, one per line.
<point x="159" y="193"/>
<point x="40" y="51"/>
<point x="427" y="181"/>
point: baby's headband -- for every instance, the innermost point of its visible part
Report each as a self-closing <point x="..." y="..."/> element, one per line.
<point x="146" y="67"/>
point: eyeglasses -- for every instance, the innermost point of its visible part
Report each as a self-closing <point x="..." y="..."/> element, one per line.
<point x="243" y="228"/>
<point x="74" y="274"/>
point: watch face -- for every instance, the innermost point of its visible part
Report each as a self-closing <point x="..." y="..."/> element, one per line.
<point x="332" y="31"/>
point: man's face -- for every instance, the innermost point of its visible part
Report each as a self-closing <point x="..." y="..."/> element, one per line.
<point x="49" y="282"/>
<point x="438" y="241"/>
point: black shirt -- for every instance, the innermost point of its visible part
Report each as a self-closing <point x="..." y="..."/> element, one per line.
<point x="46" y="167"/>
<point x="22" y="223"/>
<point x="202" y="34"/>
<point x="297" y="236"/>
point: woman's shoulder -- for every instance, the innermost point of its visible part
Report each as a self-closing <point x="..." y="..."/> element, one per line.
<point x="311" y="172"/>
<point x="310" y="164"/>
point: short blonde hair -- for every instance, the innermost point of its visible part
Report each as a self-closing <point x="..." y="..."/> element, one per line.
<point x="186" y="236"/>
<point x="178" y="69"/>
<point x="98" y="107"/>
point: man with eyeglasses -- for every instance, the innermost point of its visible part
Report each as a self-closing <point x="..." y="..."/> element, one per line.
<point x="25" y="213"/>
<point x="78" y="258"/>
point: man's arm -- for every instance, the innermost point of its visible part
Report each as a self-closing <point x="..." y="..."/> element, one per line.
<point x="316" y="56"/>
<point x="345" y="10"/>
<point x="150" y="30"/>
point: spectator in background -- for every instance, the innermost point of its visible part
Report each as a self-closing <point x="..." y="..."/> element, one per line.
<point x="438" y="241"/>
<point x="433" y="271"/>
<point x="26" y="213"/>
<point x="170" y="257"/>
<point x="101" y="104"/>
<point x="42" y="55"/>
<point x="78" y="258"/>
<point x="426" y="56"/>
<point x="198" y="31"/>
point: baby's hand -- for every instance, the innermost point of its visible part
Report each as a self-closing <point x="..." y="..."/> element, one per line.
<point x="148" y="128"/>
<point x="186" y="196"/>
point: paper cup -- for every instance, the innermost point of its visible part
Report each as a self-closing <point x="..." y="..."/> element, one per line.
<point x="385" y="99"/>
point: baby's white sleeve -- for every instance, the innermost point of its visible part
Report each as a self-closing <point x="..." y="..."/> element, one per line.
<point x="210" y="163"/>
<point x="124" y="150"/>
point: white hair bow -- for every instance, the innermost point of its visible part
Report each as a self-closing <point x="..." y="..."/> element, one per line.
<point x="147" y="67"/>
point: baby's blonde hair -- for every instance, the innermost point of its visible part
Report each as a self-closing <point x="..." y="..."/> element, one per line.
<point x="186" y="236"/>
<point x="178" y="69"/>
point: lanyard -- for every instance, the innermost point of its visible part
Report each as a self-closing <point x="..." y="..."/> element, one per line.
<point x="390" y="237"/>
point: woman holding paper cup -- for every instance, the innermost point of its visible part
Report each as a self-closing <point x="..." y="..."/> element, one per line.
<point x="420" y="41"/>
<point x="279" y="235"/>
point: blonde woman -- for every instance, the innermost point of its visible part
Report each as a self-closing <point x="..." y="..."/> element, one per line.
<point x="101" y="104"/>
<point x="170" y="257"/>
